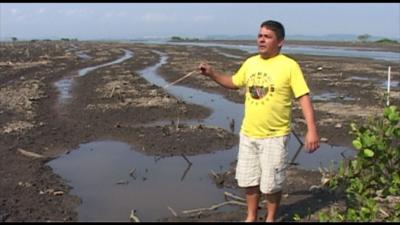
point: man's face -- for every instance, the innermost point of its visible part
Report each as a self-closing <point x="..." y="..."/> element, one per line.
<point x="267" y="43"/>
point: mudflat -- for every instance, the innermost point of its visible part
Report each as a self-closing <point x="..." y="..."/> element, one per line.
<point x="115" y="102"/>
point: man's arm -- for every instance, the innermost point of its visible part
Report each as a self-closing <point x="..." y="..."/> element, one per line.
<point x="221" y="79"/>
<point x="311" y="139"/>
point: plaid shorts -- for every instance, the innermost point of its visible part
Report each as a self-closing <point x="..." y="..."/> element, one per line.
<point x="262" y="162"/>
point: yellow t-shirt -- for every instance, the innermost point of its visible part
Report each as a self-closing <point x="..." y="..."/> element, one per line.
<point x="270" y="87"/>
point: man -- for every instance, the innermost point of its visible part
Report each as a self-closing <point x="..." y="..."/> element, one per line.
<point x="271" y="80"/>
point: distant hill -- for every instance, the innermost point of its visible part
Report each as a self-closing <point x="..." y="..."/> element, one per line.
<point x="328" y="37"/>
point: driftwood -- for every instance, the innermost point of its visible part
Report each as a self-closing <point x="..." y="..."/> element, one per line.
<point x="213" y="207"/>
<point x="132" y="172"/>
<point x="133" y="217"/>
<point x="30" y="154"/>
<point x="172" y="211"/>
<point x="227" y="194"/>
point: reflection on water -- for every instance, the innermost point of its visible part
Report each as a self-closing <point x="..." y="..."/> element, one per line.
<point x="112" y="178"/>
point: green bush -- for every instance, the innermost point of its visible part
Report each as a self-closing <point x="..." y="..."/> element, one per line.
<point x="371" y="181"/>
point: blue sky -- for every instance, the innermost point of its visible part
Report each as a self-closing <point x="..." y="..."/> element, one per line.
<point x="136" y="20"/>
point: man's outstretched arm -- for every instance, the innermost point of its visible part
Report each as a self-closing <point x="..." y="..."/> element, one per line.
<point x="221" y="79"/>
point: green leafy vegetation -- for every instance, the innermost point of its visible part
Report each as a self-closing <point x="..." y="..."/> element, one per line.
<point x="371" y="181"/>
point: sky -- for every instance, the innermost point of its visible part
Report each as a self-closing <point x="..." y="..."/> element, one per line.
<point x="87" y="21"/>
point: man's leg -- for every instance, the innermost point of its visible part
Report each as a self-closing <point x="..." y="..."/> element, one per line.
<point x="252" y="195"/>
<point x="272" y="205"/>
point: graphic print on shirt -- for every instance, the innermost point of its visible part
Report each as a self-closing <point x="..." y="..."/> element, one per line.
<point x="261" y="88"/>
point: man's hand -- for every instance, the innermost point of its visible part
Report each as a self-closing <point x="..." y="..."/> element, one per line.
<point x="205" y="69"/>
<point x="312" y="142"/>
<point x="221" y="79"/>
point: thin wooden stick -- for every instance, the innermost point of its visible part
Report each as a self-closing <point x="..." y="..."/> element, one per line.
<point x="180" y="79"/>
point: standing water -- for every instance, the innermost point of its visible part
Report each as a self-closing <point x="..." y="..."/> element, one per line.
<point x="64" y="85"/>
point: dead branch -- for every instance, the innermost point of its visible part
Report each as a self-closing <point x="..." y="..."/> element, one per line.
<point x="132" y="172"/>
<point x="213" y="207"/>
<point x="133" y="217"/>
<point x="172" y="211"/>
<point x="187" y="160"/>
<point x="227" y="194"/>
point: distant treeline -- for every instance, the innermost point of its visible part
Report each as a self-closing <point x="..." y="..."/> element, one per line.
<point x="361" y="38"/>
<point x="177" y="38"/>
<point x="35" y="40"/>
<point x="62" y="39"/>
<point x="386" y="40"/>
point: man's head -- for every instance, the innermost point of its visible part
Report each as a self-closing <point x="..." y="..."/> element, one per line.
<point x="276" y="27"/>
<point x="270" y="38"/>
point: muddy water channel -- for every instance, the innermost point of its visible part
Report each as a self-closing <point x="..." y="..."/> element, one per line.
<point x="112" y="178"/>
<point x="64" y="85"/>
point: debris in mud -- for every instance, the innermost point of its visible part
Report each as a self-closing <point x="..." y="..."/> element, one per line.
<point x="30" y="154"/>
<point x="122" y="182"/>
<point x="133" y="217"/>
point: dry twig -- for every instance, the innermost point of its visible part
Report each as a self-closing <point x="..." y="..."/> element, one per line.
<point x="30" y="154"/>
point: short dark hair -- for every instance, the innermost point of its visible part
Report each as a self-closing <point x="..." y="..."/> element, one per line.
<point x="275" y="26"/>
